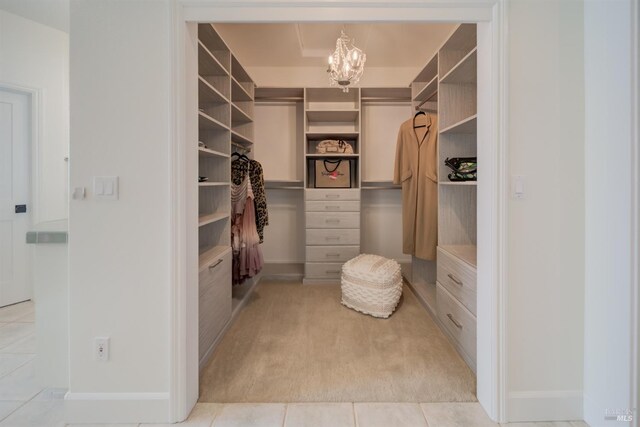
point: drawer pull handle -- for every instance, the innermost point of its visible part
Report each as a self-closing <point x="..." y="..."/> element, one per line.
<point x="215" y="264"/>
<point x="334" y="220"/>
<point x="333" y="272"/>
<point x="452" y="277"/>
<point x="333" y="255"/>
<point x="332" y="196"/>
<point x="332" y="208"/>
<point x="332" y="238"/>
<point x="458" y="325"/>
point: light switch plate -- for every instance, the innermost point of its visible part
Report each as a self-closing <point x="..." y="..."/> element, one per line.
<point x="105" y="187"/>
<point x="517" y="186"/>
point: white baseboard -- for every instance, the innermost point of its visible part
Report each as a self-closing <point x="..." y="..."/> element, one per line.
<point x="530" y="406"/>
<point x="116" y="408"/>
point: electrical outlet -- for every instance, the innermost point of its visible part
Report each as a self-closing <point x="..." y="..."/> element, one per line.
<point x="101" y="347"/>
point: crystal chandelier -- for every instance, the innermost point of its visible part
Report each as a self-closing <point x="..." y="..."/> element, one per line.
<point x="346" y="64"/>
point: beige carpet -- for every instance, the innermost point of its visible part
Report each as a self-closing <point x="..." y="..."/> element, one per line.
<point x="296" y="343"/>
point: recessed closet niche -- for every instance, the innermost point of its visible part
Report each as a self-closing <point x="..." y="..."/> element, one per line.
<point x="312" y="230"/>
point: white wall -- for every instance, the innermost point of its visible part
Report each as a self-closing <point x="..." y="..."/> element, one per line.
<point x="546" y="229"/>
<point x="37" y="57"/>
<point x="119" y="262"/>
<point x="607" y="349"/>
<point x="119" y="250"/>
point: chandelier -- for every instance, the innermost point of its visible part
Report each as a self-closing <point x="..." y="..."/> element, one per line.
<point x="346" y="64"/>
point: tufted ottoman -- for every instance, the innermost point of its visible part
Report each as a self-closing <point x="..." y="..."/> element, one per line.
<point x="371" y="284"/>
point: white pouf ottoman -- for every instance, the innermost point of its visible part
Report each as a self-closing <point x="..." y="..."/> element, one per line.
<point x="371" y="284"/>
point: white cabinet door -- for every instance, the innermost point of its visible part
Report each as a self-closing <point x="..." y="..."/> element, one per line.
<point x="15" y="141"/>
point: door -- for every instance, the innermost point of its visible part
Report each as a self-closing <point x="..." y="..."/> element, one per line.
<point x="15" y="209"/>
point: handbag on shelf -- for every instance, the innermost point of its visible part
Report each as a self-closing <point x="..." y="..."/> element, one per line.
<point x="337" y="146"/>
<point x="332" y="173"/>
<point x="463" y="168"/>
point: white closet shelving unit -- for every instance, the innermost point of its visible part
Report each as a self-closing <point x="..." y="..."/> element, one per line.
<point x="225" y="109"/>
<point x="449" y="80"/>
<point x="332" y="216"/>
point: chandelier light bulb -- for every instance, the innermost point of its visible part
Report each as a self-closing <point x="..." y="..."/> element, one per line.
<point x="330" y="59"/>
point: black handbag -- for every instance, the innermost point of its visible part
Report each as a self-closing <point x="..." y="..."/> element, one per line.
<point x="463" y="168"/>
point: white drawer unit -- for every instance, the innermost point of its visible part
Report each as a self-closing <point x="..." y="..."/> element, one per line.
<point x="332" y="195"/>
<point x="333" y="206"/>
<point x="458" y="321"/>
<point x="331" y="253"/>
<point x="214" y="303"/>
<point x="333" y="219"/>
<point x="333" y="237"/>
<point x="323" y="270"/>
<point x="459" y="278"/>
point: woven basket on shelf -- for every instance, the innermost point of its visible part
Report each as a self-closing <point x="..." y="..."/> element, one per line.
<point x="371" y="284"/>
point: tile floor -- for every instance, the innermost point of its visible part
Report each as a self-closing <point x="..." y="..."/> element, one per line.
<point x="24" y="404"/>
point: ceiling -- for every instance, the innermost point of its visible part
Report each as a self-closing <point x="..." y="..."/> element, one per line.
<point x="52" y="13"/>
<point x="304" y="45"/>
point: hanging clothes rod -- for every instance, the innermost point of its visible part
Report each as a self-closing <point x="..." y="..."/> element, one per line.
<point x="383" y="99"/>
<point x="428" y="98"/>
<point x="241" y="147"/>
<point x="280" y="98"/>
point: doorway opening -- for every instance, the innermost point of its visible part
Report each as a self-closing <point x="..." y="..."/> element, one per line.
<point x="488" y="204"/>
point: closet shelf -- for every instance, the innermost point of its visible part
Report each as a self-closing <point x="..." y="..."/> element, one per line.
<point x="467" y="253"/>
<point x="237" y="70"/>
<point x="429" y="91"/>
<point x="208" y="64"/>
<point x="211" y="218"/>
<point x="468" y="125"/>
<point x="459" y="183"/>
<point x="338" y="115"/>
<point x="238" y="92"/>
<point x="240" y="139"/>
<point x="205" y="152"/>
<point x="380" y="185"/>
<point x="211" y="255"/>
<point x="333" y="155"/>
<point x="284" y="183"/>
<point x="212" y="184"/>
<point x="464" y="71"/>
<point x="238" y="116"/>
<point x="207" y="122"/>
<point x="208" y="94"/>
<point x="332" y="135"/>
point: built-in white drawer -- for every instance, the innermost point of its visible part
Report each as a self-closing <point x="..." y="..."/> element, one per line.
<point x="214" y="272"/>
<point x="214" y="303"/>
<point x="458" y="321"/>
<point x="333" y="206"/>
<point x="333" y="237"/>
<point x="333" y="219"/>
<point x="331" y="253"/>
<point x="323" y="270"/>
<point x="458" y="277"/>
<point x="329" y="194"/>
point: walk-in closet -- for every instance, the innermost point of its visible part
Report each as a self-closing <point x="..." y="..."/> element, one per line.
<point x="295" y="177"/>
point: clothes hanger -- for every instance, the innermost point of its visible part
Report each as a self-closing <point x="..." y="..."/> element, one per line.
<point x="240" y="156"/>
<point x="418" y="113"/>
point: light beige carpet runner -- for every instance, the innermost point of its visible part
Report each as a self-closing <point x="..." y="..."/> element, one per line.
<point x="296" y="343"/>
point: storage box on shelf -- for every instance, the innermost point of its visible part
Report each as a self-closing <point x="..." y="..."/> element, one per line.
<point x="331" y="213"/>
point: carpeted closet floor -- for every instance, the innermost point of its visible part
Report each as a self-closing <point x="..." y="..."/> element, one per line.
<point x="296" y="343"/>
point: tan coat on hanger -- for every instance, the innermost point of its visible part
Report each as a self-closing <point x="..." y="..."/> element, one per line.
<point x="416" y="168"/>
